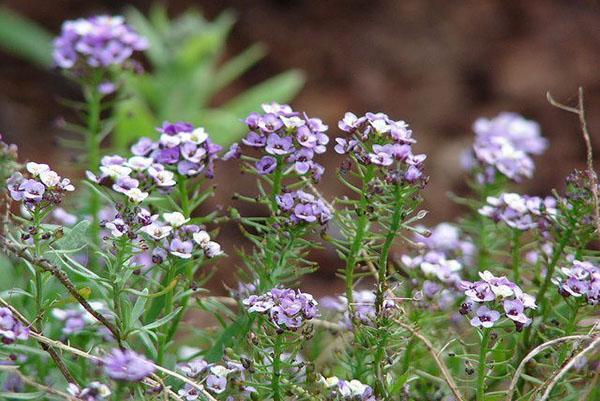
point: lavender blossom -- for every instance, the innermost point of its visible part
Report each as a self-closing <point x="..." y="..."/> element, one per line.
<point x="11" y="329"/>
<point x="285" y="308"/>
<point x="95" y="391"/>
<point x="580" y="280"/>
<point x="303" y="207"/>
<point x="352" y="390"/>
<point x="521" y="212"/>
<point x="289" y="139"/>
<point x="97" y="42"/>
<point x="126" y="365"/>
<point x="378" y="140"/>
<point x="505" y="144"/>
<point x="39" y="188"/>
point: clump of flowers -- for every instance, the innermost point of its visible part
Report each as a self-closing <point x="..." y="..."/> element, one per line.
<point x="181" y="149"/>
<point x="285" y="308"/>
<point x="39" y="188"/>
<point x="303" y="207"/>
<point x="126" y="365"/>
<point x="342" y="390"/>
<point x="289" y="139"/>
<point x="215" y="377"/>
<point x="580" y="280"/>
<point x="491" y="293"/>
<point x="505" y="144"/>
<point x="98" y="42"/>
<point x="378" y="140"/>
<point x="11" y="329"/>
<point x="521" y="212"/>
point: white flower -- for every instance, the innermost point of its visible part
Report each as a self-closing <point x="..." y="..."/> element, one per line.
<point x="197" y="136"/>
<point x="212" y="249"/>
<point x="380" y="126"/>
<point x="139" y="163"/>
<point x="330" y="381"/>
<point x="175" y="219"/>
<point x="164" y="178"/>
<point x="156" y="231"/>
<point x="292" y="122"/>
<point x="201" y="238"/>
<point x="49" y="178"/>
<point x="136" y="195"/>
<point x="170" y="141"/>
<point x="66" y="185"/>
<point x="220" y="371"/>
<point x="37" y="168"/>
<point x="117" y="227"/>
<point x="115" y="171"/>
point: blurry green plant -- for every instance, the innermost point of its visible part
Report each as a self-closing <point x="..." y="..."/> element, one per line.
<point x="186" y="72"/>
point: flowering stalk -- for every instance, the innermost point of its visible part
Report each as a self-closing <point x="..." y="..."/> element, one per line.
<point x="481" y="367"/>
<point x="516" y="255"/>
<point x="275" y="379"/>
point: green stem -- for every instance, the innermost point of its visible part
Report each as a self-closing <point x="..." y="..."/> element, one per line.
<point x="361" y="227"/>
<point x="276" y="377"/>
<point x="183" y="195"/>
<point x="516" y="255"/>
<point x="483" y="350"/>
<point x="266" y="281"/>
<point x="168" y="306"/>
<point x="92" y="146"/>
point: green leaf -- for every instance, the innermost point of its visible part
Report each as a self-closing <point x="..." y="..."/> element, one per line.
<point x="281" y="88"/>
<point x="234" y="332"/>
<point x="163" y="320"/>
<point x="25" y="38"/>
<point x="133" y="120"/>
<point x="157" y="50"/>
<point x="22" y="396"/>
<point x="138" y="308"/>
<point x="237" y="66"/>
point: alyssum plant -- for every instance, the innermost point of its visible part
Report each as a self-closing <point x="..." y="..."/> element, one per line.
<point x="500" y="305"/>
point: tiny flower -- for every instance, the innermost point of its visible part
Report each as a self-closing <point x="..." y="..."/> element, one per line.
<point x="194" y="368"/>
<point x="189" y="392"/>
<point x="212" y="249"/>
<point x="485" y="317"/>
<point x="175" y="219"/>
<point x="127" y="365"/>
<point x="514" y="311"/>
<point x="136" y="195"/>
<point x="157" y="231"/>
<point x="266" y="165"/>
<point x="117" y="227"/>
<point x="181" y="249"/>
<point x="37" y="168"/>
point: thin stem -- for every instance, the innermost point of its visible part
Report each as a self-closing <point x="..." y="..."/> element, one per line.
<point x="276" y="378"/>
<point x="357" y="243"/>
<point x="92" y="145"/>
<point x="516" y="255"/>
<point x="483" y="350"/>
<point x="183" y="194"/>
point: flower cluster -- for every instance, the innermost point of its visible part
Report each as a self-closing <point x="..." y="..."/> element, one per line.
<point x="95" y="391"/>
<point x="39" y="188"/>
<point x="287" y="137"/>
<point x="352" y="390"/>
<point x="489" y="292"/>
<point x="11" y="329"/>
<point x="363" y="307"/>
<point x="581" y="279"/>
<point x="181" y="148"/>
<point x="215" y="377"/>
<point x="127" y="365"/>
<point x="442" y="253"/>
<point x="376" y="139"/>
<point x="97" y="42"/>
<point x="179" y="238"/>
<point x="285" y="308"/>
<point x="505" y="144"/>
<point x="521" y="212"/>
<point x="303" y="207"/>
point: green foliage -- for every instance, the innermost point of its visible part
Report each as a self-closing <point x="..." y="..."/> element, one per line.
<point x="187" y="72"/>
<point x="25" y="38"/>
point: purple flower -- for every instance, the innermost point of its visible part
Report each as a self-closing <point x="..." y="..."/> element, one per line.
<point x="485" y="317"/>
<point x="194" y="368"/>
<point x="32" y="190"/>
<point x="98" y="42"/>
<point x="189" y="392"/>
<point x="582" y="280"/>
<point x="127" y="365"/>
<point x="11" y="329"/>
<point x="277" y="145"/>
<point x="255" y="140"/>
<point x="269" y="123"/>
<point x="234" y="152"/>
<point x="181" y="249"/>
<point x="266" y="165"/>
<point x="124" y="184"/>
<point x="514" y="311"/>
<point x="285" y="308"/>
<point x="480" y="292"/>
<point x="143" y="147"/>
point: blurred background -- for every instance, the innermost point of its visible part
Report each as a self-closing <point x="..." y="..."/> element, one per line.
<point x="436" y="64"/>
